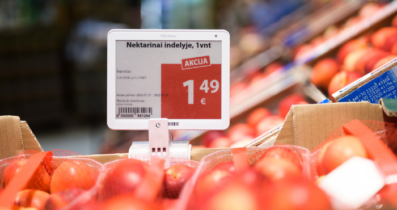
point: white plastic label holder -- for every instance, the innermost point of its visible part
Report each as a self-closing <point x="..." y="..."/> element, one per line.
<point x="159" y="137"/>
<point x="160" y="143"/>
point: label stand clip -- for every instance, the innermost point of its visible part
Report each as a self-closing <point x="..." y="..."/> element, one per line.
<point x="160" y="143"/>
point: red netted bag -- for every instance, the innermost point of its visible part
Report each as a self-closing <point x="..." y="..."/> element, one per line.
<point x="385" y="131"/>
<point x="61" y="177"/>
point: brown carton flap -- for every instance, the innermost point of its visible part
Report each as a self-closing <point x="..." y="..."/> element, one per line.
<point x="10" y="136"/>
<point x="29" y="139"/>
<point x="310" y="125"/>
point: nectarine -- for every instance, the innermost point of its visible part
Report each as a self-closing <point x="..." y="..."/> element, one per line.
<point x="350" y="46"/>
<point x="32" y="198"/>
<point x="286" y="103"/>
<point x="257" y="115"/>
<point x="175" y="178"/>
<point x="276" y="169"/>
<point x="297" y="193"/>
<point x="73" y="174"/>
<point x="283" y="153"/>
<point x="341" y="80"/>
<point x="40" y="180"/>
<point x="267" y="124"/>
<point x="379" y="38"/>
<point x="383" y="61"/>
<point x="341" y="150"/>
<point x="323" y="72"/>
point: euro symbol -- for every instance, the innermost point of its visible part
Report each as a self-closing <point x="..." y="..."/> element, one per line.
<point x="203" y="101"/>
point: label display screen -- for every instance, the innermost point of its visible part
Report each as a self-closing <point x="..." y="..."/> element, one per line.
<point x="168" y="79"/>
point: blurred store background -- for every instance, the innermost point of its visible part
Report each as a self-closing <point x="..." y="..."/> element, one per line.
<point x="53" y="54"/>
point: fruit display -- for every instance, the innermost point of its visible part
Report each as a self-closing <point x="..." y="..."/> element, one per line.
<point x="356" y="57"/>
<point x="276" y="174"/>
<point x="55" y="183"/>
<point x="258" y="122"/>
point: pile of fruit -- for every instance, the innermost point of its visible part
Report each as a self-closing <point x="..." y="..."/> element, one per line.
<point x="122" y="184"/>
<point x="259" y="121"/>
<point x="355" y="59"/>
<point x="366" y="12"/>
<point x="54" y="184"/>
<point x="275" y="181"/>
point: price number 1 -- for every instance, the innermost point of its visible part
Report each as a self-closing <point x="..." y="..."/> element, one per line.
<point x="214" y="84"/>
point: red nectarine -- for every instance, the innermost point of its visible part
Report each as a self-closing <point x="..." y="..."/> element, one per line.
<point x="175" y="178"/>
<point x="257" y="115"/>
<point x="123" y="177"/>
<point x="341" y="150"/>
<point x="341" y="80"/>
<point x="379" y="38"/>
<point x="297" y="193"/>
<point x="285" y="104"/>
<point x="40" y="180"/>
<point x="276" y="169"/>
<point x="383" y="61"/>
<point x="31" y="198"/>
<point x="73" y="174"/>
<point x="323" y="72"/>
<point x="283" y="153"/>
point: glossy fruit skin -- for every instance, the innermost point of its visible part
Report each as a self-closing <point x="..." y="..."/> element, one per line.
<point x="349" y="47"/>
<point x="175" y="178"/>
<point x="296" y="194"/>
<point x="127" y="202"/>
<point x="285" y="104"/>
<point x="319" y="161"/>
<point x="123" y="177"/>
<point x="341" y="80"/>
<point x="323" y="72"/>
<point x="276" y="169"/>
<point x="283" y="153"/>
<point x="234" y="195"/>
<point x="379" y="38"/>
<point x="210" y="136"/>
<point x="340" y="150"/>
<point x="209" y="181"/>
<point x="220" y="142"/>
<point x="73" y="174"/>
<point x="257" y="115"/>
<point x="240" y="131"/>
<point x="40" y="180"/>
<point x="227" y="166"/>
<point x="62" y="199"/>
<point x="31" y="198"/>
<point x="383" y="61"/>
<point x="267" y="124"/>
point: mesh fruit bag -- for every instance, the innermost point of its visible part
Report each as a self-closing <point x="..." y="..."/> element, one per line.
<point x="385" y="131"/>
<point x="371" y="140"/>
<point x="141" y="179"/>
<point x="46" y="180"/>
<point x="244" y="158"/>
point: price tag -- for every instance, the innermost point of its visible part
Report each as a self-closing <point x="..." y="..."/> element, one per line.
<point x="179" y="75"/>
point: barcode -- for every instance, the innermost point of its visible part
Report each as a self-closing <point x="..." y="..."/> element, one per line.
<point x="136" y="110"/>
<point x="173" y="123"/>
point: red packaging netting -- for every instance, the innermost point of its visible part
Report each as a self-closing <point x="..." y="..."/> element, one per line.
<point x="111" y="185"/>
<point x="254" y="153"/>
<point x="387" y="132"/>
<point x="61" y="173"/>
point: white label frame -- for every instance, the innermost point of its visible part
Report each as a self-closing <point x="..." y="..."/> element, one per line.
<point x="168" y="35"/>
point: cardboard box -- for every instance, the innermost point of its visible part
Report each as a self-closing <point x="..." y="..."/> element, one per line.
<point x="306" y="126"/>
<point x="16" y="136"/>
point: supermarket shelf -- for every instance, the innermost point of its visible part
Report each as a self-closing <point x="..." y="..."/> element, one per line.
<point x="330" y="46"/>
<point x="313" y="25"/>
<point x="308" y="26"/>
